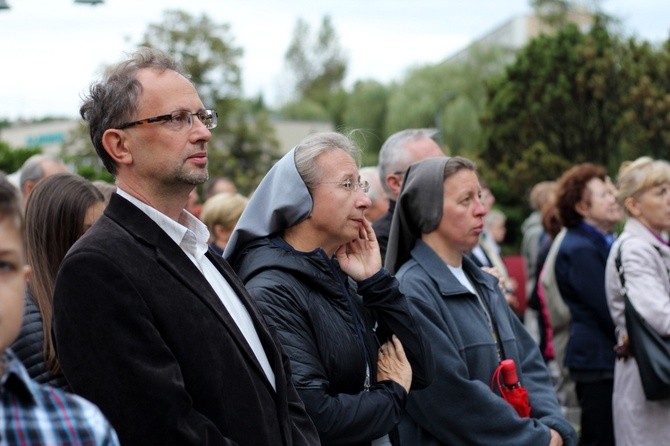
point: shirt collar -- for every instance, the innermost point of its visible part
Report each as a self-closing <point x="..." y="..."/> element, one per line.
<point x="192" y="236"/>
<point x="606" y="238"/>
<point x="16" y="380"/>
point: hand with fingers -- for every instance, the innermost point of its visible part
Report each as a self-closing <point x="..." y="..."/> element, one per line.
<point x="392" y="364"/>
<point x="361" y="258"/>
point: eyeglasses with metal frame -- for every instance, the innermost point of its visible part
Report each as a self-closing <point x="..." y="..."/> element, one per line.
<point x="178" y="120"/>
<point x="350" y="185"/>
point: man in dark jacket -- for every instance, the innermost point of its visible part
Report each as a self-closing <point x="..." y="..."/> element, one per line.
<point x="150" y="324"/>
<point x="399" y="151"/>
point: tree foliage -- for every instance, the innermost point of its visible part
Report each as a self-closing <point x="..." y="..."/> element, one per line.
<point x="11" y="159"/>
<point x="366" y="111"/>
<point x="318" y="66"/>
<point x="449" y="96"/>
<point x="553" y="12"/>
<point x="580" y="97"/>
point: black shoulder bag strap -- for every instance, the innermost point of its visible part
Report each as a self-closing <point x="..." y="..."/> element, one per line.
<point x="650" y="350"/>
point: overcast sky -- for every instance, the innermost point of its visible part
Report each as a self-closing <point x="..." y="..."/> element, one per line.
<point x="51" y="50"/>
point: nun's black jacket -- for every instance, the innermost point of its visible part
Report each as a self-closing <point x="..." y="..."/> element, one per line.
<point x="331" y="328"/>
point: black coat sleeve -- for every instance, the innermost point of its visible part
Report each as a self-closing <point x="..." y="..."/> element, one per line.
<point x="112" y="353"/>
<point x="381" y="295"/>
<point x="340" y="418"/>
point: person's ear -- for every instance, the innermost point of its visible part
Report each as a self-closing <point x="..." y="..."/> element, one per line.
<point x="632" y="206"/>
<point x="394" y="183"/>
<point x="219" y="231"/>
<point x="582" y="208"/>
<point x="221" y="234"/>
<point x="117" y="146"/>
<point x="28" y="187"/>
<point x="26" y="272"/>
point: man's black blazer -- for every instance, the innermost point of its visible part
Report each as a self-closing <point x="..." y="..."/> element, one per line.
<point x="141" y="333"/>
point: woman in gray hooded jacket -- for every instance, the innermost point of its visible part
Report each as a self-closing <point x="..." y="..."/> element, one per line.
<point x="437" y="220"/>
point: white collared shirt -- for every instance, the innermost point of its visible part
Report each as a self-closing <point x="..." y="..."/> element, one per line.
<point x="192" y="239"/>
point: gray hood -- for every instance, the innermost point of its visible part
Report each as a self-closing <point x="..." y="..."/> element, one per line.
<point x="418" y="210"/>
<point x="280" y="201"/>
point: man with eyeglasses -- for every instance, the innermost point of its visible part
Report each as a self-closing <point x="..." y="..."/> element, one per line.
<point x="150" y="325"/>
<point x="397" y="153"/>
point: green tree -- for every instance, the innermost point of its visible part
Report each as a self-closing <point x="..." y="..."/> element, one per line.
<point x="646" y="117"/>
<point x="252" y="149"/>
<point x="584" y="96"/>
<point x="11" y="159"/>
<point x="318" y="66"/>
<point x="365" y="112"/>
<point x="552" y="12"/>
<point x="449" y="96"/>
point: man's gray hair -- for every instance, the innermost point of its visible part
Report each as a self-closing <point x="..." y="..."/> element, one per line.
<point x="375" y="193"/>
<point x="32" y="169"/>
<point x="393" y="156"/>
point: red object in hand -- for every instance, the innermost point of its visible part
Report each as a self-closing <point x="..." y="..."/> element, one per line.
<point x="511" y="389"/>
<point x="510" y="378"/>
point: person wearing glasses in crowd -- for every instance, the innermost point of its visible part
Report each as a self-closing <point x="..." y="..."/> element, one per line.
<point x="149" y="324"/>
<point x="396" y="154"/>
<point x="310" y="258"/>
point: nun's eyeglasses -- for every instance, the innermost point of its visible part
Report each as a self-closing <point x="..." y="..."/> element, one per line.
<point x="351" y="186"/>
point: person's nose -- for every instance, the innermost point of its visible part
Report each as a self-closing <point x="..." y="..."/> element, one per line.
<point x="480" y="209"/>
<point x="362" y="200"/>
<point x="199" y="131"/>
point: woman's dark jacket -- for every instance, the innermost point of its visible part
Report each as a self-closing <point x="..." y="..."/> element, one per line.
<point x="331" y="328"/>
<point x="580" y="274"/>
<point x="29" y="347"/>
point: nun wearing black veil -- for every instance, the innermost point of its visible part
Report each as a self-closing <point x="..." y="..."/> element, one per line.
<point x="437" y="220"/>
<point x="311" y="261"/>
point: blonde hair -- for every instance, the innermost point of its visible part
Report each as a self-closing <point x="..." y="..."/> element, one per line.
<point x="639" y="175"/>
<point x="223" y="209"/>
<point x="540" y="194"/>
<point x="494" y="216"/>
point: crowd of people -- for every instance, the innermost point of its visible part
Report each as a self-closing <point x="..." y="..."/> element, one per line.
<point x="336" y="305"/>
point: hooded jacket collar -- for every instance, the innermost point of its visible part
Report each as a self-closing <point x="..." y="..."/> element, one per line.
<point x="447" y="283"/>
